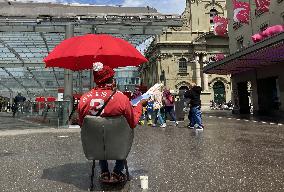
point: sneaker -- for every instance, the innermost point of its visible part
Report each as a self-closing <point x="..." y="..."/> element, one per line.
<point x="190" y="127"/>
<point x="199" y="128"/>
<point x="163" y="125"/>
<point x="154" y="125"/>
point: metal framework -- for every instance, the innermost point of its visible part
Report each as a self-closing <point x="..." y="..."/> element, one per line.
<point x="25" y="41"/>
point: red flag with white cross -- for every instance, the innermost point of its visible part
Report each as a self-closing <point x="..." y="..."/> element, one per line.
<point x="220" y="26"/>
<point x="241" y="12"/>
<point x="262" y="5"/>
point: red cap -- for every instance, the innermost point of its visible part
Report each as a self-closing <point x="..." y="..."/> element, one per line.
<point x="103" y="74"/>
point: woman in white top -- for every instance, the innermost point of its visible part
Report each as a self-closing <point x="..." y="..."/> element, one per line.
<point x="157" y="97"/>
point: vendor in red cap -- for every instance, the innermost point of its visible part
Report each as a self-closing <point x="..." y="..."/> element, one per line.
<point x="119" y="104"/>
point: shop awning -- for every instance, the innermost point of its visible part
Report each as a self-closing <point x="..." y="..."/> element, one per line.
<point x="265" y="53"/>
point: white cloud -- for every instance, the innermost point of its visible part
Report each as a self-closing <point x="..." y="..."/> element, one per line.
<point x="143" y="46"/>
<point x="39" y="1"/>
<point x="163" y="6"/>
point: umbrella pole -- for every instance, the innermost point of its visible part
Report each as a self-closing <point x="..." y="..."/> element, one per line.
<point x="91" y="79"/>
<point x="80" y="74"/>
<point x="68" y="77"/>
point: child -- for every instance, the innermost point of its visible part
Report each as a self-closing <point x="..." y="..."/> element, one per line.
<point x="150" y="111"/>
<point x="143" y="116"/>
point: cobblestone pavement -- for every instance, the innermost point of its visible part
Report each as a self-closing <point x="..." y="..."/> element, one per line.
<point x="229" y="155"/>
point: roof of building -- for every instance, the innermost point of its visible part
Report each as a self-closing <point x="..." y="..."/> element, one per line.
<point x="34" y="9"/>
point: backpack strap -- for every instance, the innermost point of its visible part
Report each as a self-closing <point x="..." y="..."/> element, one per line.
<point x="102" y="108"/>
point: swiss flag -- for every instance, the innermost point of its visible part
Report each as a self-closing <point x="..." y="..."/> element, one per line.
<point x="220" y="26"/>
<point x="241" y="12"/>
<point x="262" y="5"/>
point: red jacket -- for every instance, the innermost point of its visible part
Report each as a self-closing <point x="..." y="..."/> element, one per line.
<point x="119" y="104"/>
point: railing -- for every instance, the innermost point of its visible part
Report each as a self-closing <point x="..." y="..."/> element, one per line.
<point x="53" y="114"/>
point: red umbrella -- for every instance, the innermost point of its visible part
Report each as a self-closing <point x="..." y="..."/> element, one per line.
<point x="40" y="99"/>
<point x="80" y="52"/>
<point x="50" y="99"/>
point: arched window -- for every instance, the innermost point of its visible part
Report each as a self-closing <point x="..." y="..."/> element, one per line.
<point x="213" y="13"/>
<point x="182" y="65"/>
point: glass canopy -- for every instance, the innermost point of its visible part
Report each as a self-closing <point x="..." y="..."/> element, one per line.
<point x="22" y="69"/>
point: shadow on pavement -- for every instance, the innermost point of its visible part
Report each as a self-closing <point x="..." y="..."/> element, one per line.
<point x="78" y="174"/>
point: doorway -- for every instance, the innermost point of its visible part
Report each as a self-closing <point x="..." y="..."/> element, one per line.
<point x="268" y="95"/>
<point x="219" y="92"/>
<point x="243" y="95"/>
<point x="182" y="90"/>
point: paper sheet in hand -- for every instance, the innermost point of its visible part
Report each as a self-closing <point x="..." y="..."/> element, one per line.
<point x="147" y="95"/>
<point x="135" y="101"/>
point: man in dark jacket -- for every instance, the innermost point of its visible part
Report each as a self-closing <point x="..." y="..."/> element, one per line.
<point x="195" y="107"/>
<point x="18" y="103"/>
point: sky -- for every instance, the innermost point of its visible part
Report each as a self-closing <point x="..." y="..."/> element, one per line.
<point x="163" y="6"/>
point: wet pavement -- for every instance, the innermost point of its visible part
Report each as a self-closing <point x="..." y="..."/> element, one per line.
<point x="7" y="122"/>
<point x="229" y="155"/>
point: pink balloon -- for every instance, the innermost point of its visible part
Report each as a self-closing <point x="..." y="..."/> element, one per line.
<point x="273" y="30"/>
<point x="257" y="37"/>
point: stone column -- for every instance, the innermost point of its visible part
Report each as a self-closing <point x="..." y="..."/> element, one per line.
<point x="197" y="70"/>
<point x="205" y="76"/>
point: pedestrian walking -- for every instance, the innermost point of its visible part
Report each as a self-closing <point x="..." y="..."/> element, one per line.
<point x="169" y="103"/>
<point x="19" y="101"/>
<point x="195" y="107"/>
<point x="158" y="104"/>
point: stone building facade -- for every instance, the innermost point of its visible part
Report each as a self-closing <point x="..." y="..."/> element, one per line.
<point x="177" y="57"/>
<point x="256" y="68"/>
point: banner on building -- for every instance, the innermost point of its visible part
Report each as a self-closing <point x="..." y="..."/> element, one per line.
<point x="241" y="12"/>
<point x="219" y="56"/>
<point x="262" y="5"/>
<point x="220" y="26"/>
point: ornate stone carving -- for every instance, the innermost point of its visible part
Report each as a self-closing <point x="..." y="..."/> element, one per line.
<point x="222" y="79"/>
<point x="182" y="83"/>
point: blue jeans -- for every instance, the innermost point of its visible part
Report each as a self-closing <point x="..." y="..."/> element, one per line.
<point x="157" y="115"/>
<point x="171" y="111"/>
<point x="119" y="166"/>
<point x="195" y="116"/>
